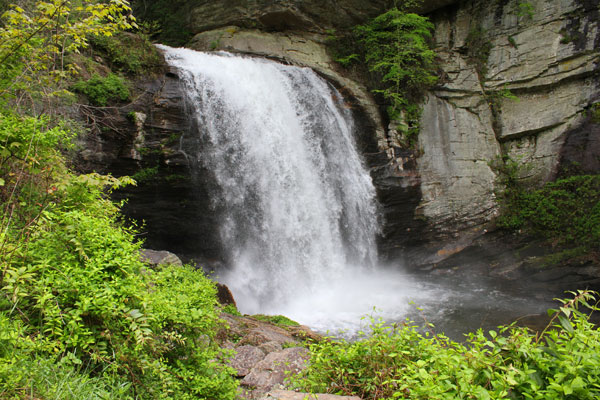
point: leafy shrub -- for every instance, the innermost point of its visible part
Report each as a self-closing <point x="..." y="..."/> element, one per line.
<point x="80" y="300"/>
<point x="395" y="48"/>
<point x="566" y="211"/>
<point x="26" y="374"/>
<point x="35" y="36"/>
<point x="563" y="362"/>
<point x="129" y="53"/>
<point x="100" y="90"/>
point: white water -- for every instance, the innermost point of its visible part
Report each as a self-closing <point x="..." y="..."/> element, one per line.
<point x="299" y="215"/>
<point x="297" y="206"/>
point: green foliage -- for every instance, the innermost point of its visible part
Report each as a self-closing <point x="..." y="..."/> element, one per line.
<point x="129" y="53"/>
<point x="81" y="304"/>
<point x="400" y="362"/>
<point x="100" y="90"/>
<point x="566" y="211"/>
<point x="35" y="36"/>
<point x="145" y="174"/>
<point x="276" y="319"/>
<point x="168" y="19"/>
<point x="595" y="113"/>
<point x="525" y="9"/>
<point x="231" y="309"/>
<point x="25" y="374"/>
<point x="396" y="49"/>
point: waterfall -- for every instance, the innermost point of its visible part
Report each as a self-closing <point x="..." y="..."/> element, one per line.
<point x="297" y="205"/>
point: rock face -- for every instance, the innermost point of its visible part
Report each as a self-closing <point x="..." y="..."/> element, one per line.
<point x="145" y="139"/>
<point x="315" y="16"/>
<point x="514" y="83"/>
<point x="518" y="82"/>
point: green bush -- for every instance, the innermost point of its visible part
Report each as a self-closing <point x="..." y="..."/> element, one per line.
<point x="78" y="298"/>
<point x="398" y="361"/>
<point x="24" y="373"/>
<point x="566" y="211"/>
<point x="129" y="53"/>
<point x="395" y="49"/>
<point x="100" y="90"/>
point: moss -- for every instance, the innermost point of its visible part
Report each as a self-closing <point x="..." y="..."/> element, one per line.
<point x="128" y="53"/>
<point x="595" y="113"/>
<point x="279" y="320"/>
<point x="100" y="90"/>
<point x="145" y="174"/>
<point x="478" y="48"/>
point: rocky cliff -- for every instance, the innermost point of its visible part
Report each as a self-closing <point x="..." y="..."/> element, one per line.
<point x="518" y="79"/>
<point x="517" y="82"/>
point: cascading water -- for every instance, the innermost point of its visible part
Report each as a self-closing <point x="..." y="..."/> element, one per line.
<point x="297" y="206"/>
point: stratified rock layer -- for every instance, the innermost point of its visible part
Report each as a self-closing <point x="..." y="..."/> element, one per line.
<point x="514" y="83"/>
<point x="518" y="82"/>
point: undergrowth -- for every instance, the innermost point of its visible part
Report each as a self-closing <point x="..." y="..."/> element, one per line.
<point x="81" y="315"/>
<point x="76" y="297"/>
<point x="398" y="361"/>
<point x="100" y="90"/>
<point x="566" y="212"/>
<point x="128" y="53"/>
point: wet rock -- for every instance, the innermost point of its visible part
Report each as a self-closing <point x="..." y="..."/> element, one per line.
<point x="289" y="395"/>
<point x="245" y="359"/>
<point x="224" y="295"/>
<point x="159" y="257"/>
<point x="270" y="347"/>
<point x="261" y="335"/>
<point x="275" y="367"/>
<point x="261" y="357"/>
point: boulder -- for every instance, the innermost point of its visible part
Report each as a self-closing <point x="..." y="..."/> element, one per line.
<point x="289" y="395"/>
<point x="224" y="295"/>
<point x="245" y="359"/>
<point x="159" y="257"/>
<point x="275" y="367"/>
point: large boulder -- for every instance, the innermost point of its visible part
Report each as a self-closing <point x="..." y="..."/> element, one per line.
<point x="275" y="368"/>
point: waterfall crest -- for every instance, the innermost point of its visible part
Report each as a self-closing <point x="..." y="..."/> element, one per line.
<point x="298" y="206"/>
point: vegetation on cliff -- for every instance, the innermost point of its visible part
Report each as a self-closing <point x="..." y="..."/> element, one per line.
<point x="566" y="212"/>
<point x="81" y="316"/>
<point x="396" y="51"/>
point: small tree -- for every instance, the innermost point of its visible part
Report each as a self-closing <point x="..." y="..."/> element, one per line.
<point x="35" y="37"/>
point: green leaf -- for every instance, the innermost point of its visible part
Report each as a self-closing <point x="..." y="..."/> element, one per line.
<point x="565" y="323"/>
